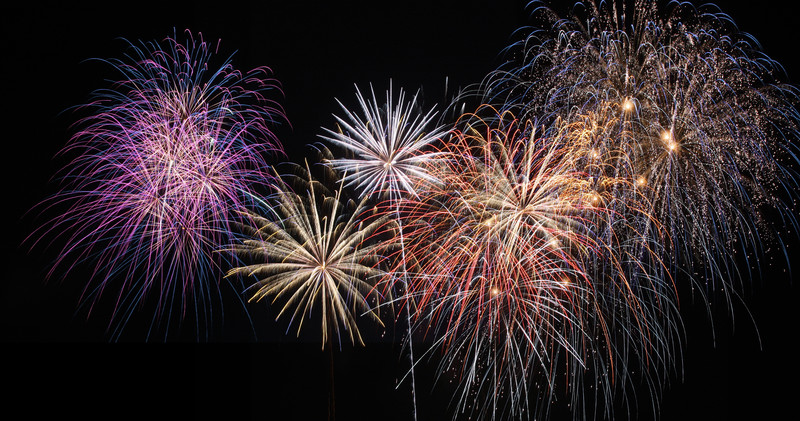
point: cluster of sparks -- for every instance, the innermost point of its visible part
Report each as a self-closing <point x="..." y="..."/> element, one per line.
<point x="537" y="243"/>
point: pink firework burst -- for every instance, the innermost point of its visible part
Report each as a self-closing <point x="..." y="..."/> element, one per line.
<point x="160" y="169"/>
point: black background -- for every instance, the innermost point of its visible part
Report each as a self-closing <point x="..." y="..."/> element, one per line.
<point x="55" y="361"/>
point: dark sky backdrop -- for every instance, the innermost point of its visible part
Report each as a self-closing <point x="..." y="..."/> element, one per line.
<point x="57" y="362"/>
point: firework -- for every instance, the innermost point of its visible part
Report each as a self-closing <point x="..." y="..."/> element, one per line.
<point x="388" y="143"/>
<point x="161" y="164"/>
<point x="315" y="251"/>
<point x="390" y="159"/>
<point x="708" y="119"/>
<point x="511" y="271"/>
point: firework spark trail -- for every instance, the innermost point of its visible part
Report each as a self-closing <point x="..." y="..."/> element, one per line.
<point x="634" y="291"/>
<point x="389" y="146"/>
<point x="315" y="250"/>
<point x="503" y="256"/>
<point x="711" y="121"/>
<point x="167" y="156"/>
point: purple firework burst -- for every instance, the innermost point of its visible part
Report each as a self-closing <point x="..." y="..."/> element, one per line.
<point x="159" y="170"/>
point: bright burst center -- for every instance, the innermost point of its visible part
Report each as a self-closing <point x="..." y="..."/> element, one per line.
<point x="627" y="105"/>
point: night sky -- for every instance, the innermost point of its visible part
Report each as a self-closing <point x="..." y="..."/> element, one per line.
<point x="58" y="362"/>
